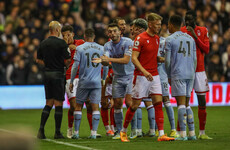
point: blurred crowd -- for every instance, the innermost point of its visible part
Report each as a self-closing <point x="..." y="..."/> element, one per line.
<point x="24" y="24"/>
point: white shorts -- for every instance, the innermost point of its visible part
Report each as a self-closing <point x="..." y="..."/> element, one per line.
<point x="108" y="90"/>
<point x="75" y="84"/>
<point x="144" y="88"/>
<point x="201" y="82"/>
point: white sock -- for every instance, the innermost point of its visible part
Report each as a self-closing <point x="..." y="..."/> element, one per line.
<point x="183" y="134"/>
<point x="76" y="132"/>
<point x="161" y="132"/>
<point x="191" y="133"/>
<point x="124" y="129"/>
<point x="151" y="130"/>
<point x="93" y="132"/>
<point x="202" y="132"/>
<point x="107" y="128"/>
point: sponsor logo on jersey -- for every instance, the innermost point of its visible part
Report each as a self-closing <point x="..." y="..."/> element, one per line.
<point x="198" y="32"/>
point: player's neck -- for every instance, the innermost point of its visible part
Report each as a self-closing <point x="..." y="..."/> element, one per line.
<point x="89" y="40"/>
<point x="117" y="41"/>
<point x="150" y="33"/>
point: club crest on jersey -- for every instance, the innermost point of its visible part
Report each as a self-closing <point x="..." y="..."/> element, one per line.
<point x="138" y="38"/>
<point x="147" y="41"/>
<point x="136" y="43"/>
<point x="122" y="48"/>
<point x="198" y="32"/>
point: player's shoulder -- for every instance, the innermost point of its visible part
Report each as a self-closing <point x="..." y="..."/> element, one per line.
<point x="201" y="28"/>
<point x="127" y="40"/>
<point x="79" y="42"/>
<point x="141" y="36"/>
<point x="98" y="45"/>
<point x="183" y="29"/>
<point x="107" y="44"/>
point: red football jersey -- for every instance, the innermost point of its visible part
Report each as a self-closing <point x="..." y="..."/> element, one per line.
<point x="202" y="45"/>
<point x="148" y="47"/>
<point x="68" y="72"/>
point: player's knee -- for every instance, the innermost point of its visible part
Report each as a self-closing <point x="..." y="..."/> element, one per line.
<point x="104" y="105"/>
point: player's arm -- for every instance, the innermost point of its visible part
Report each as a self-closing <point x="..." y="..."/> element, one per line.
<point x="160" y="59"/>
<point x="203" y="45"/>
<point x="74" y="69"/>
<point x="39" y="58"/>
<point x="105" y="73"/>
<point x="138" y="65"/>
<point x="168" y="58"/>
<point x="123" y="60"/>
<point x="194" y="56"/>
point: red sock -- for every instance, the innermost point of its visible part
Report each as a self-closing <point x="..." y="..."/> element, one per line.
<point x="178" y="126"/>
<point x="70" y="119"/>
<point x="128" y="117"/>
<point x="202" y="114"/>
<point x="105" y="116"/>
<point x="112" y="121"/>
<point x="159" y="115"/>
<point x="89" y="117"/>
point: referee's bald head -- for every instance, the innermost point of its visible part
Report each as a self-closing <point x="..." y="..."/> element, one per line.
<point x="53" y="25"/>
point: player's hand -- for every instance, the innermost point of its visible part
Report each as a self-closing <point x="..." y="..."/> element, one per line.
<point x="96" y="60"/>
<point x="111" y="103"/>
<point x="71" y="87"/>
<point x="189" y="28"/>
<point x="160" y="59"/>
<point x="105" y="58"/>
<point x="72" y="47"/>
<point x="148" y="76"/>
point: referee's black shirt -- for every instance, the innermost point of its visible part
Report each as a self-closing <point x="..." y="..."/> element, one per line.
<point x="53" y="51"/>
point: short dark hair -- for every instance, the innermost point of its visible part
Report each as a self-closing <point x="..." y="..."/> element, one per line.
<point x="176" y="20"/>
<point x="67" y="28"/>
<point x="89" y="33"/>
<point x="141" y="23"/>
<point x="113" y="25"/>
<point x="191" y="12"/>
<point x="116" y="20"/>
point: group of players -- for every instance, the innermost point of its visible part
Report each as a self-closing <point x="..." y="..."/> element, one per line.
<point x="141" y="70"/>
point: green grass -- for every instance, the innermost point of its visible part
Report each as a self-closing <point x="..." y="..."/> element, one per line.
<point x="218" y="127"/>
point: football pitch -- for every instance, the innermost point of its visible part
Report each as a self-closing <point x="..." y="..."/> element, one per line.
<point x="217" y="127"/>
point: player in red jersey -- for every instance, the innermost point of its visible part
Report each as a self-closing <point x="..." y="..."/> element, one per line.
<point x="147" y="81"/>
<point x="200" y="35"/>
<point x="107" y="103"/>
<point x="67" y="33"/>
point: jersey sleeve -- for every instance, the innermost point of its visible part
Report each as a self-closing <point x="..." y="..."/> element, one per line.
<point x="194" y="55"/>
<point x="168" y="57"/>
<point x="137" y="44"/>
<point x="39" y="53"/>
<point x="203" y="44"/>
<point x="77" y="55"/>
<point x="128" y="48"/>
<point x="106" y="52"/>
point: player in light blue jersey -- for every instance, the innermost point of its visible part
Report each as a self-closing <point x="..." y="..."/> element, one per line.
<point x="180" y="63"/>
<point x="118" y="51"/>
<point x="89" y="85"/>
<point x="165" y="87"/>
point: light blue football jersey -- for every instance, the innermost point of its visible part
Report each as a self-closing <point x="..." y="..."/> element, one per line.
<point x="161" y="66"/>
<point x="118" y="50"/>
<point x="180" y="57"/>
<point x="89" y="72"/>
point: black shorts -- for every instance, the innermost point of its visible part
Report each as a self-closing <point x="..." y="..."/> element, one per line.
<point x="55" y="85"/>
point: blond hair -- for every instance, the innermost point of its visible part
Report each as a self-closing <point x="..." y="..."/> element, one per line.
<point x="54" y="25"/>
<point x="153" y="17"/>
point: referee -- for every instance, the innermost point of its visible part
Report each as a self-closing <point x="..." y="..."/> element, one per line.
<point x="51" y="53"/>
